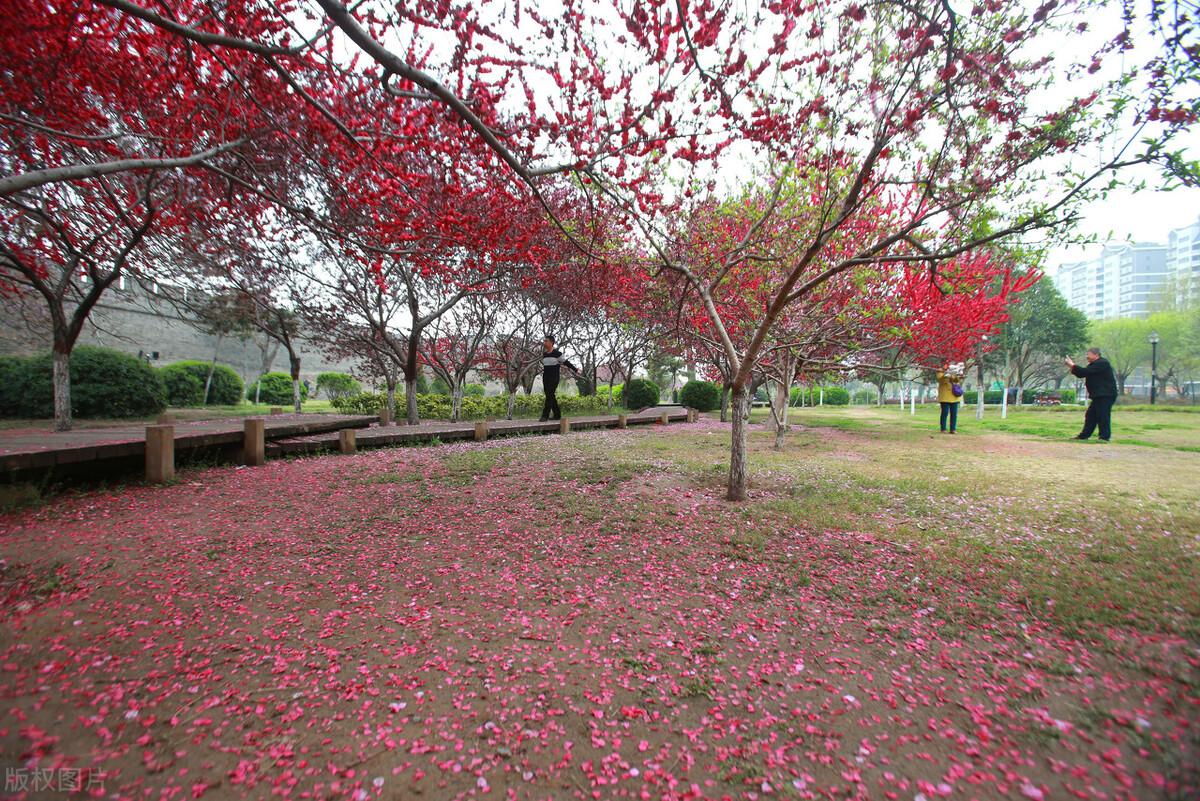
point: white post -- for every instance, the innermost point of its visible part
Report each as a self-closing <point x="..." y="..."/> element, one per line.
<point x="1004" y="402"/>
<point x="912" y="400"/>
<point x="822" y="403"/>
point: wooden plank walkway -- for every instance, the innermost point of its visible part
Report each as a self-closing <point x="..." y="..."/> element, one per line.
<point x="382" y="436"/>
<point x="26" y="449"/>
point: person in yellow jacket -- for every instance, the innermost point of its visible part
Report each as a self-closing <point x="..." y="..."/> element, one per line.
<point x="950" y="394"/>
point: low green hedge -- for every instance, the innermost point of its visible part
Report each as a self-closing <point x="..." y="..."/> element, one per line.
<point x="104" y="383"/>
<point x="833" y="396"/>
<point x="437" y="407"/>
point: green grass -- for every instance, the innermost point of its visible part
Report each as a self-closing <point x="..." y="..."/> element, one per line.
<point x="1090" y="534"/>
<point x="1175" y="428"/>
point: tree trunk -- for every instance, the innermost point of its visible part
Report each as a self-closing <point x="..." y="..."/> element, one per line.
<point x="391" y="397"/>
<point x="739" y="471"/>
<point x="62" y="387"/>
<point x="778" y="416"/>
<point x="979" y="396"/>
<point x="781" y="424"/>
<point x="296" y="398"/>
<point x="456" y="393"/>
<point x="611" y="376"/>
<point x="724" y="403"/>
<point x="512" y="402"/>
<point x="412" y="417"/>
<point x="212" y="368"/>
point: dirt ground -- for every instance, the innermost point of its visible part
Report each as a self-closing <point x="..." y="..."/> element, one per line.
<point x="557" y="617"/>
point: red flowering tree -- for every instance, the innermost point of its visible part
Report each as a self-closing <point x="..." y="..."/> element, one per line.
<point x="114" y="134"/>
<point x="940" y="117"/>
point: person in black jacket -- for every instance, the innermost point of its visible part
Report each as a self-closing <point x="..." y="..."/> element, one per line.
<point x="1101" y="386"/>
<point x="552" y="358"/>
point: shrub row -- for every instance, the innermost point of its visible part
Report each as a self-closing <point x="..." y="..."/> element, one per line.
<point x="995" y="396"/>
<point x="437" y="407"/>
<point x="104" y="383"/>
<point x="812" y="396"/>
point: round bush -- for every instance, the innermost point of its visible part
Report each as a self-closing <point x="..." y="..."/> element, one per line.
<point x="474" y="391"/>
<point x="276" y="389"/>
<point x="337" y="385"/>
<point x="104" y="383"/>
<point x="184" y="387"/>
<point x="701" y="395"/>
<point x="226" y="387"/>
<point x="640" y="393"/>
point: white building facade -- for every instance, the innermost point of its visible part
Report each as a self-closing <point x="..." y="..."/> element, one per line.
<point x="1121" y="281"/>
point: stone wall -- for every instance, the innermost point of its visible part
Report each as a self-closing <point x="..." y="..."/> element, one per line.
<point x="138" y="322"/>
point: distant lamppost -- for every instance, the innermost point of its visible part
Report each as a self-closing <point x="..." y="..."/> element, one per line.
<point x="1153" y="366"/>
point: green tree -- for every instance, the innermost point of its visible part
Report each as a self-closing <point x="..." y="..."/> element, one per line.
<point x="1124" y="342"/>
<point x="1041" y="328"/>
<point x="1177" y="356"/>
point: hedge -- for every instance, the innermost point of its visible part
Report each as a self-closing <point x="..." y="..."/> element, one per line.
<point x="834" y="396"/>
<point x="703" y="396"/>
<point x="104" y="383"/>
<point x="337" y="385"/>
<point x="617" y="392"/>
<point x="640" y="393"/>
<point x="437" y="407"/>
<point x="1028" y="396"/>
<point x="276" y="389"/>
<point x="184" y="388"/>
<point x="866" y="395"/>
<point x="226" y="388"/>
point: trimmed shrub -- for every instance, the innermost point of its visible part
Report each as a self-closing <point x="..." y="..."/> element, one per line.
<point x="474" y="391"/>
<point x="184" y="387"/>
<point x="701" y="395"/>
<point x="833" y="396"/>
<point x="336" y="385"/>
<point x="104" y="383"/>
<point x="276" y="389"/>
<point x="226" y="388"/>
<point x="640" y="393"/>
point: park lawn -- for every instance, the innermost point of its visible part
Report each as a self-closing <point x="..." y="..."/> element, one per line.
<point x="894" y="613"/>
<point x="1175" y="428"/>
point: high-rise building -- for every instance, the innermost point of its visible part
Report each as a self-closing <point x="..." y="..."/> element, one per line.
<point x="1121" y="281"/>
<point x="1183" y="260"/>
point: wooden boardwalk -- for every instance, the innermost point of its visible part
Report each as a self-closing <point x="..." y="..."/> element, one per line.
<point x="101" y="452"/>
<point x="382" y="436"/>
<point x="24" y="449"/>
